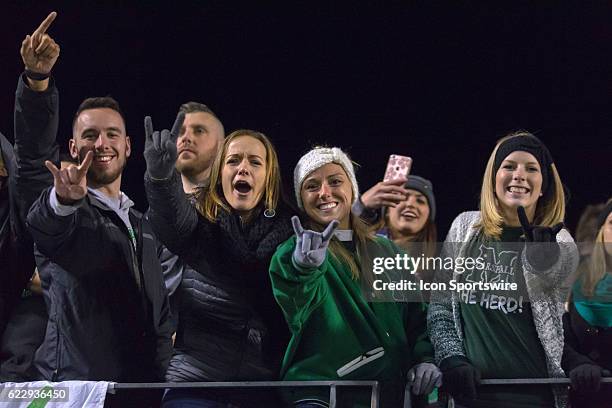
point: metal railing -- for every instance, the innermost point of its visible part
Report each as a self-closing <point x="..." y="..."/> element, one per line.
<point x="333" y="386"/>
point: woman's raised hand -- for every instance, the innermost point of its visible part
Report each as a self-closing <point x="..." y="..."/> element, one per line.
<point x="311" y="246"/>
<point x="160" y="148"/>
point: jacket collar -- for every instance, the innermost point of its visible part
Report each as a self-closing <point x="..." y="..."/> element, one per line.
<point x="98" y="199"/>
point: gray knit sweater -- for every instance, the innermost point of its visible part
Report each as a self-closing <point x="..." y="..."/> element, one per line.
<point x="546" y="289"/>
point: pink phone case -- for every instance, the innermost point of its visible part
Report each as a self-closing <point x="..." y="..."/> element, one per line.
<point x="397" y="167"/>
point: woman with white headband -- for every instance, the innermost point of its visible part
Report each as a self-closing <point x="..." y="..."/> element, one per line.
<point x="322" y="279"/>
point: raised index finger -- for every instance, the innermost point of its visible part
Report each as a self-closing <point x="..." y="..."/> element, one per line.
<point x="148" y="124"/>
<point x="297" y="225"/>
<point x="178" y="124"/>
<point x="44" y="26"/>
<point x="82" y="169"/>
<point x="522" y="215"/>
<point x="329" y="230"/>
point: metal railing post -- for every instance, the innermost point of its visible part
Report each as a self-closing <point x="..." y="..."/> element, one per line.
<point x="332" y="396"/>
<point x="407" y="395"/>
<point x="375" y="395"/>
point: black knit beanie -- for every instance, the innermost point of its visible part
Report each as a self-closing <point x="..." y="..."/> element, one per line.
<point x="424" y="186"/>
<point x="530" y="144"/>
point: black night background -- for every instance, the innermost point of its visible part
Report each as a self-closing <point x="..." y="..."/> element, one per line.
<point x="439" y="82"/>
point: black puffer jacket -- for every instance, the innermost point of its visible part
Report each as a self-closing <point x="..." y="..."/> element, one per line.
<point x="230" y="327"/>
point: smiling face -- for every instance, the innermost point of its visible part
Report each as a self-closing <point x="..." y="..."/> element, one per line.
<point x="327" y="195"/>
<point x="197" y="144"/>
<point x="518" y="182"/>
<point x="410" y="216"/>
<point x="103" y="131"/>
<point x="243" y="174"/>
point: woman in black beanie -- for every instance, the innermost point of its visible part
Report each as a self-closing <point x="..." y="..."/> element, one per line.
<point x="518" y="236"/>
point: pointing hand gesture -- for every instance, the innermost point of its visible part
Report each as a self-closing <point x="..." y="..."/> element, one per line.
<point x="536" y="233"/>
<point x="38" y="51"/>
<point x="311" y="246"/>
<point x="70" y="183"/>
<point x="160" y="148"/>
<point x="541" y="249"/>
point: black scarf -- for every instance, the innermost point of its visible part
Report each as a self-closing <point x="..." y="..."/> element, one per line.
<point x="257" y="240"/>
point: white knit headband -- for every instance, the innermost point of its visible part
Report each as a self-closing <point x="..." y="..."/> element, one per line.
<point x="318" y="157"/>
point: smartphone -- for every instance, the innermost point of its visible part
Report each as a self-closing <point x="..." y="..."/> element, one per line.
<point x="397" y="167"/>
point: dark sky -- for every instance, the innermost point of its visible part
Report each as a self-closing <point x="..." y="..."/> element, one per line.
<point x="439" y="82"/>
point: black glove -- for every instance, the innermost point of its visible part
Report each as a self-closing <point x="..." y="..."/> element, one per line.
<point x="586" y="378"/>
<point x="459" y="376"/>
<point x="160" y="148"/>
<point x="542" y="249"/>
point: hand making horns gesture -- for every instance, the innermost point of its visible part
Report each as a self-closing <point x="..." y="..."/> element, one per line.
<point x="160" y="148"/>
<point x="71" y="183"/>
<point x="311" y="246"/>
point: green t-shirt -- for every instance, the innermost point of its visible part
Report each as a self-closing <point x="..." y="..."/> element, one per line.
<point x="500" y="336"/>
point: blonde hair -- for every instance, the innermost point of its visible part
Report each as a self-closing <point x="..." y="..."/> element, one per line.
<point x="211" y="199"/>
<point x="361" y="235"/>
<point x="593" y="269"/>
<point x="550" y="208"/>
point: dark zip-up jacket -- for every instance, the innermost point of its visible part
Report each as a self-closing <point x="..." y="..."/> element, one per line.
<point x="109" y="317"/>
<point x="229" y="326"/>
<point x="36" y="121"/>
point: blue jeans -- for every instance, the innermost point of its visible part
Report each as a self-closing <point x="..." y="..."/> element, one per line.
<point x="193" y="398"/>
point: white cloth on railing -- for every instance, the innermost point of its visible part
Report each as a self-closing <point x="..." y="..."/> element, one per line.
<point x="45" y="394"/>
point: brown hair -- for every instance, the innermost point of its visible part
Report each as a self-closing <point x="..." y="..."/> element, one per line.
<point x="98" y="102"/>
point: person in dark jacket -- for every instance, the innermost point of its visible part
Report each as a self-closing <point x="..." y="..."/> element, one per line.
<point x="587" y="326"/>
<point x="25" y="176"/>
<point x="197" y="144"/>
<point x="101" y="278"/>
<point x="230" y="328"/>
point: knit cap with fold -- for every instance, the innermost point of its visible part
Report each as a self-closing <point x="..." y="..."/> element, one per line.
<point x="319" y="157"/>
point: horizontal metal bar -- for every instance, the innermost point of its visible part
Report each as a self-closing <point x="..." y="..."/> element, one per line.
<point x="527" y="381"/>
<point x="241" y="384"/>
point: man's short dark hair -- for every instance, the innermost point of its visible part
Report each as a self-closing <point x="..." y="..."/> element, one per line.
<point x="191" y="107"/>
<point x="98" y="102"/>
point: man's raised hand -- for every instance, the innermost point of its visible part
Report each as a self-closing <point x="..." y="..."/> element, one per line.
<point x="71" y="183"/>
<point x="39" y="51"/>
<point x="311" y="246"/>
<point x="160" y="148"/>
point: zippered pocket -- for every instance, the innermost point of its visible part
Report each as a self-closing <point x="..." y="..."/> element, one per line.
<point x="360" y="361"/>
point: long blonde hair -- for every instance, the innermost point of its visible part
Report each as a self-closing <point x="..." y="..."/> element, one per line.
<point x="593" y="269"/>
<point x="361" y="235"/>
<point x="211" y="199"/>
<point x="550" y="208"/>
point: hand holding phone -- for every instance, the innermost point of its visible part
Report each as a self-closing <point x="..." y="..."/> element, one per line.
<point x="398" y="167"/>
